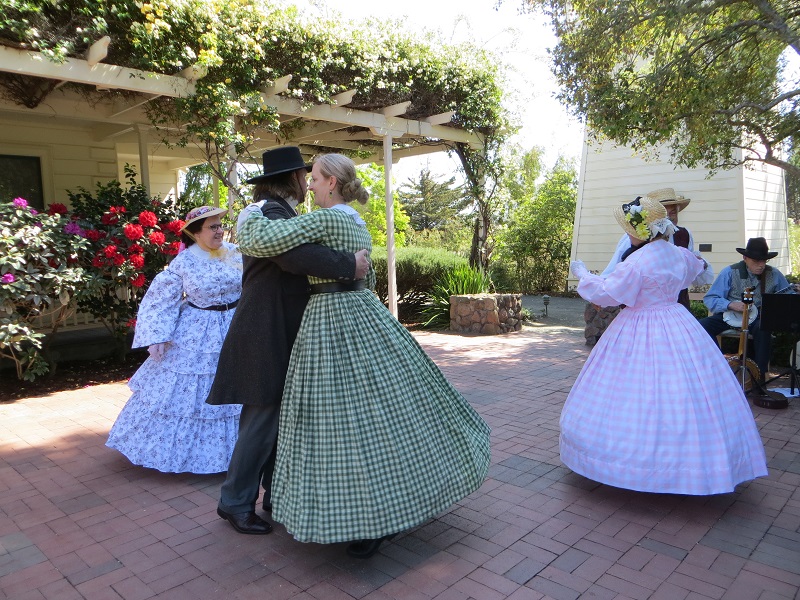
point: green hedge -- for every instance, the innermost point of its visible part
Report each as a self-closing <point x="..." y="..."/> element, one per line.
<point x="417" y="271"/>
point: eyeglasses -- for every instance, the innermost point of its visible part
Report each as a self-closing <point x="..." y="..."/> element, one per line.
<point x="216" y="228"/>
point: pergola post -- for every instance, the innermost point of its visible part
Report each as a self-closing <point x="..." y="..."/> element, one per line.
<point x="144" y="160"/>
<point x="390" y="262"/>
<point x="233" y="176"/>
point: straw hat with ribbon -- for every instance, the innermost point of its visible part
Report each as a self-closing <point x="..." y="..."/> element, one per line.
<point x="668" y="197"/>
<point x="643" y="218"/>
<point x="202" y="212"/>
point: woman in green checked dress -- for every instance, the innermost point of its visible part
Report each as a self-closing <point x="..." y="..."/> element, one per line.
<point x="373" y="439"/>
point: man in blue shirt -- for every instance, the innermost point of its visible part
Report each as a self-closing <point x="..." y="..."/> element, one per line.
<point x="727" y="290"/>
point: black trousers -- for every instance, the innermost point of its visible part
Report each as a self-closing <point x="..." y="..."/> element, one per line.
<point x="253" y="459"/>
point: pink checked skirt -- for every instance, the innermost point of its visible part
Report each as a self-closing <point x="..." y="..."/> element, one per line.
<point x="656" y="408"/>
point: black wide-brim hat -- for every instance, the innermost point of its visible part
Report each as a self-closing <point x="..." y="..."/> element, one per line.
<point x="280" y="160"/>
<point x="757" y="249"/>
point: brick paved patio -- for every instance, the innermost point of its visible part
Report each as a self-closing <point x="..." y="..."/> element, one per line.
<point x="78" y="521"/>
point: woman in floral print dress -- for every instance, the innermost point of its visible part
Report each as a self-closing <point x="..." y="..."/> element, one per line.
<point x="183" y="318"/>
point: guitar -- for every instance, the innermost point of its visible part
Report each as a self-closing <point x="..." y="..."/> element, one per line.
<point x="741" y="365"/>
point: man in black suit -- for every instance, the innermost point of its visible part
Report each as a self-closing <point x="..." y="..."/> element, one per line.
<point x="255" y="355"/>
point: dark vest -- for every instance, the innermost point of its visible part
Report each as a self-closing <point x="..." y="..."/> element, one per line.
<point x="763" y="284"/>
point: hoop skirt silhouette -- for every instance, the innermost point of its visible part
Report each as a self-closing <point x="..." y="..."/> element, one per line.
<point x="656" y="408"/>
<point x="373" y="439"/>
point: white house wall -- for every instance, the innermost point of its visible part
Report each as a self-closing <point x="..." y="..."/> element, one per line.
<point x="611" y="175"/>
<point x="765" y="211"/>
<point x="72" y="157"/>
<point x="163" y="180"/>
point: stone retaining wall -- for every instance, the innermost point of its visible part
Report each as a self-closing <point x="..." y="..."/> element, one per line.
<point x="597" y="318"/>
<point x="487" y="314"/>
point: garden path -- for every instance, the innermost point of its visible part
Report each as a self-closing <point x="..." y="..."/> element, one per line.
<point x="77" y="521"/>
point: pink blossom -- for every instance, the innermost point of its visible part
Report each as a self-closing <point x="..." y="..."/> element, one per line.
<point x="8" y="278"/>
<point x="74" y="229"/>
<point x="21" y="202"/>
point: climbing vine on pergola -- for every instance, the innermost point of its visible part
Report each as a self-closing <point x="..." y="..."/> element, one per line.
<point x="238" y="49"/>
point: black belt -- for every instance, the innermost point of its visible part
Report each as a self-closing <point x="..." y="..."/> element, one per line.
<point x="335" y="286"/>
<point x="217" y="307"/>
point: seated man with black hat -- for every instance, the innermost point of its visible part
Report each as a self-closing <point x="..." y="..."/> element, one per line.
<point x="727" y="291"/>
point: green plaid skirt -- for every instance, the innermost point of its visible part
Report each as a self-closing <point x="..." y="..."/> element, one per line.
<point x="373" y="439"/>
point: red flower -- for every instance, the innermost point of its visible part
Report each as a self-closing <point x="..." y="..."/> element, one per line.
<point x="57" y="209"/>
<point x="118" y="259"/>
<point x="137" y="260"/>
<point x="98" y="261"/>
<point x="135" y="249"/>
<point x="172" y="249"/>
<point x="131" y="323"/>
<point x="133" y="232"/>
<point x="110" y="251"/>
<point x="116" y="209"/>
<point x="147" y="218"/>
<point x="109" y="219"/>
<point x="93" y="234"/>
<point x="157" y="238"/>
<point x="138" y="281"/>
<point x="175" y="226"/>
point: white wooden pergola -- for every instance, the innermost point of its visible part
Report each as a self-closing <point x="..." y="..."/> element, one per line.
<point x="383" y="136"/>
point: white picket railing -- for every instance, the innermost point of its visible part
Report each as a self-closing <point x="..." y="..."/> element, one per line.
<point x="74" y="320"/>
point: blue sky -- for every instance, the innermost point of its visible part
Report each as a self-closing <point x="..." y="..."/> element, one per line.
<point x="520" y="40"/>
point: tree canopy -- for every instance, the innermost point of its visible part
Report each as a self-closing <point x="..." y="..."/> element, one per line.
<point x="432" y="204"/>
<point x="537" y="237"/>
<point x="705" y="77"/>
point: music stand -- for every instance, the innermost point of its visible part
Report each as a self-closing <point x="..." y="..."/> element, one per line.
<point x="781" y="313"/>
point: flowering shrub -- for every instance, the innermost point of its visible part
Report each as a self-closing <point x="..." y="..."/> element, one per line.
<point x="40" y="274"/>
<point x="131" y="237"/>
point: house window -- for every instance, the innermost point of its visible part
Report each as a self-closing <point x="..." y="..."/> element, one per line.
<point x="21" y="177"/>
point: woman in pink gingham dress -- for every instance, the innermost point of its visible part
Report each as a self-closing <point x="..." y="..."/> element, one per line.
<point x="656" y="408"/>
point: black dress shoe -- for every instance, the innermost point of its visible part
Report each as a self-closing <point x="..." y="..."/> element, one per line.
<point x="246" y="522"/>
<point x="366" y="548"/>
